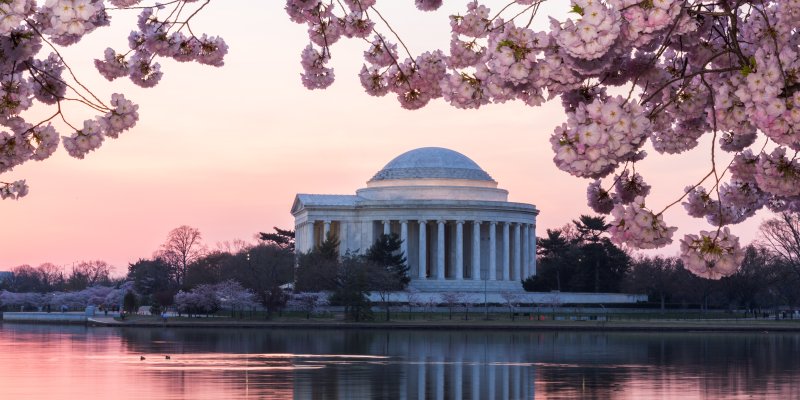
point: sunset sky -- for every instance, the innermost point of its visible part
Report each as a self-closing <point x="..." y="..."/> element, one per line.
<point x="226" y="149"/>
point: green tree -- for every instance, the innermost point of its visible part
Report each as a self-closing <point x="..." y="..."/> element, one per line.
<point x="388" y="268"/>
<point x="556" y="263"/>
<point x="385" y="252"/>
<point x="154" y="280"/>
<point x="209" y="269"/>
<point x="282" y="238"/>
<point x="653" y="276"/>
<point x="602" y="264"/>
<point x="352" y="288"/>
<point x="317" y="270"/>
<point x="579" y="258"/>
<point x="129" y="302"/>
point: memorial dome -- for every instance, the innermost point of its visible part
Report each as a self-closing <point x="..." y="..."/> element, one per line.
<point x="431" y="163"/>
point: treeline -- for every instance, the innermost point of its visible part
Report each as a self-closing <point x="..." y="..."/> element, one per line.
<point x="182" y="268"/>
<point x="579" y="257"/>
<point x="184" y="275"/>
<point x="261" y="269"/>
<point x="48" y="277"/>
<point x="763" y="282"/>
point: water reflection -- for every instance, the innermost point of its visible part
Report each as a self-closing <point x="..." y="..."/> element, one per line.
<point x="38" y="362"/>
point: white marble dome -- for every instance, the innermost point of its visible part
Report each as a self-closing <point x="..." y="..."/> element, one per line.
<point x="432" y="163"/>
<point x="432" y="173"/>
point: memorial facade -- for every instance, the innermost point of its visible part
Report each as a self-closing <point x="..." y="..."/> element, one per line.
<point x="459" y="232"/>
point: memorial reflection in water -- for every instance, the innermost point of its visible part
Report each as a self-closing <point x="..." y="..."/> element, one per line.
<point x="398" y="364"/>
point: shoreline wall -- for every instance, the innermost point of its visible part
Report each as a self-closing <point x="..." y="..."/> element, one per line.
<point x="45" y="318"/>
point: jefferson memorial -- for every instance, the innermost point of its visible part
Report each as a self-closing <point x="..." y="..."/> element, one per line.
<point x="459" y="232"/>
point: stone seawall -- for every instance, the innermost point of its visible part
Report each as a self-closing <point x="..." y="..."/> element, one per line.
<point x="45" y="318"/>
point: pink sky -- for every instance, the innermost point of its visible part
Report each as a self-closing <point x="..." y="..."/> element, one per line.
<point x="225" y="150"/>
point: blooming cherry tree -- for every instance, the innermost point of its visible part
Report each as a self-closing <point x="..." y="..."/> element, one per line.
<point x="32" y="71"/>
<point x="627" y="72"/>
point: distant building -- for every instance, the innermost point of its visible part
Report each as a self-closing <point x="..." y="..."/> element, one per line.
<point x="459" y="231"/>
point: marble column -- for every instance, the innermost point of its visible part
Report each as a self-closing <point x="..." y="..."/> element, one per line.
<point x="297" y="234"/>
<point x="506" y="253"/>
<point x="517" y="252"/>
<point x="476" y="250"/>
<point x="404" y="238"/>
<point x="492" y="251"/>
<point x="423" y="247"/>
<point x="386" y="227"/>
<point x="532" y="267"/>
<point x="525" y="250"/>
<point x="459" y="250"/>
<point x="326" y="229"/>
<point x="310" y="233"/>
<point x="440" y="275"/>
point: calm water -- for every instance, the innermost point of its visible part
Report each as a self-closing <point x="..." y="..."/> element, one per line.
<point x="55" y="362"/>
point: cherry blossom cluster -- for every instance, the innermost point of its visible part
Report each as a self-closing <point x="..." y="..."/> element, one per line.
<point x="13" y="190"/>
<point x="737" y="202"/>
<point x="629" y="187"/>
<point x="28" y="77"/>
<point x="643" y="20"/>
<point x="598" y="136"/>
<point x="593" y="34"/>
<point x="599" y="199"/>
<point x="315" y="74"/>
<point x="777" y="174"/>
<point x="712" y="255"/>
<point x="162" y="37"/>
<point x="121" y="117"/>
<point x="634" y="225"/>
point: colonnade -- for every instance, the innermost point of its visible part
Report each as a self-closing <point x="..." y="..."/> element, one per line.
<point x="444" y="249"/>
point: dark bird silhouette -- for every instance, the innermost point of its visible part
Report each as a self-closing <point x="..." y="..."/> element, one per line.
<point x="141" y="358"/>
<point x="167" y="357"/>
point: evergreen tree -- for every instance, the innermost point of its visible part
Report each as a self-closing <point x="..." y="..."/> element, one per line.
<point x="385" y="252"/>
<point x="317" y="270"/>
<point x="352" y="288"/>
<point x="282" y="238"/>
<point x="556" y="263"/>
<point x="388" y="268"/>
<point x="329" y="248"/>
<point x="586" y="262"/>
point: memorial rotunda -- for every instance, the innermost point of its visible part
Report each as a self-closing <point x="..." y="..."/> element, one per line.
<point x="459" y="232"/>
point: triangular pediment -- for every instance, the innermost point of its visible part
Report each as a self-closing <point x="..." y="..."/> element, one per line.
<point x="297" y="205"/>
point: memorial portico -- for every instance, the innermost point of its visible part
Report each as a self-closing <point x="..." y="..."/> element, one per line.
<point x="458" y="229"/>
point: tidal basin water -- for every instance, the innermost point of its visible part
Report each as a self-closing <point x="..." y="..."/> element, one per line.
<point x="70" y="362"/>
